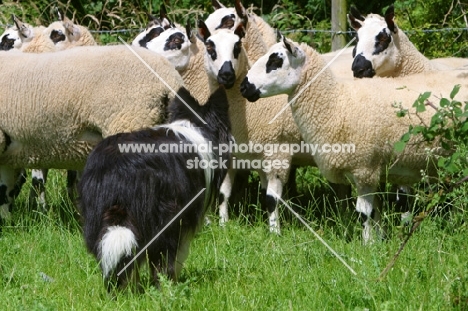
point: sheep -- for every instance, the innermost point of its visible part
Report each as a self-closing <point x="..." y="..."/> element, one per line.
<point x="226" y="63"/>
<point x="66" y="35"/>
<point x="56" y="106"/>
<point x="230" y="18"/>
<point x="384" y="50"/>
<point x="57" y="36"/>
<point x="171" y="42"/>
<point x="77" y="35"/>
<point x="359" y="112"/>
<point x="128" y="198"/>
<point x="33" y="38"/>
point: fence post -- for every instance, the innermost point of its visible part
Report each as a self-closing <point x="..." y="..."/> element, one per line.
<point x="338" y="23"/>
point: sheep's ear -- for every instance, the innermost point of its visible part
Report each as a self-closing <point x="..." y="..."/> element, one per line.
<point x="356" y="14"/>
<point x="279" y="35"/>
<point x="290" y="46"/>
<point x="203" y="32"/>
<point x="165" y="21"/>
<point x="188" y="31"/>
<point x="151" y="18"/>
<point x="355" y="18"/>
<point x="217" y="5"/>
<point x="71" y="30"/>
<point x="59" y="14"/>
<point x="241" y="11"/>
<point x="23" y="29"/>
<point x="389" y="16"/>
<point x="240" y="31"/>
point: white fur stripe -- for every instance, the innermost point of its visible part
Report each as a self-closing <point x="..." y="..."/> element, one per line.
<point x="186" y="129"/>
<point x="116" y="243"/>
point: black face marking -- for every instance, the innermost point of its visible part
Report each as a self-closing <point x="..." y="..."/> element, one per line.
<point x="7" y="43"/>
<point x="237" y="49"/>
<point x="249" y="90"/>
<point x="227" y="22"/>
<point x="174" y="41"/>
<point x="362" y="68"/>
<point x="227" y="75"/>
<point x="153" y="33"/>
<point x="56" y="36"/>
<point x="211" y="49"/>
<point x="382" y="40"/>
<point x="274" y="62"/>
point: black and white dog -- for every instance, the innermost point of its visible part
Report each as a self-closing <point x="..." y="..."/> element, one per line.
<point x="126" y="198"/>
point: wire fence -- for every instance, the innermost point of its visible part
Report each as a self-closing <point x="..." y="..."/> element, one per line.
<point x="312" y="31"/>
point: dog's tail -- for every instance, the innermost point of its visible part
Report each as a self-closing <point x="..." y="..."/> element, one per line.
<point x="117" y="244"/>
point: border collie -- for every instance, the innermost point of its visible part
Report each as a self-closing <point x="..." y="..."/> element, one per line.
<point x="126" y="198"/>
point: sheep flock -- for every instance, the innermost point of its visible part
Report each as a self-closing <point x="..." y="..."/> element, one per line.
<point x="64" y="94"/>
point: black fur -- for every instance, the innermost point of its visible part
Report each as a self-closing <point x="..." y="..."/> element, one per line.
<point x="174" y="41"/>
<point x="7" y="43"/>
<point x="144" y="191"/>
<point x="274" y="62"/>
<point x="153" y="33"/>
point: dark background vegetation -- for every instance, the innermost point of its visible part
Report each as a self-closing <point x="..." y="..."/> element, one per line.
<point x="414" y="16"/>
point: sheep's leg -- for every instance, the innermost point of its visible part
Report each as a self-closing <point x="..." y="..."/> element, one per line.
<point x="37" y="192"/>
<point x="273" y="191"/>
<point x="225" y="193"/>
<point x="365" y="206"/>
<point x="8" y="190"/>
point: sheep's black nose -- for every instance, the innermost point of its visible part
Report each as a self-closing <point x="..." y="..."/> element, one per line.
<point x="362" y="68"/>
<point x="249" y="90"/>
<point x="227" y="75"/>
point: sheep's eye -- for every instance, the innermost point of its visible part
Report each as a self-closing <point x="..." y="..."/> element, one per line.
<point x="381" y="43"/>
<point x="237" y="49"/>
<point x="274" y="62"/>
<point x="174" y="41"/>
<point x="211" y="49"/>
<point x="56" y="36"/>
<point x="227" y="22"/>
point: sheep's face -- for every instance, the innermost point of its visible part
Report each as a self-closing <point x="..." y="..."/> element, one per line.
<point x="10" y="40"/>
<point x="56" y="33"/>
<point x="174" y="45"/>
<point x="171" y="43"/>
<point x="222" y="53"/>
<point x="277" y="72"/>
<point x="375" y="52"/>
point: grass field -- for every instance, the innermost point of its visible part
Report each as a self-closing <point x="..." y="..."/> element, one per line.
<point x="45" y="266"/>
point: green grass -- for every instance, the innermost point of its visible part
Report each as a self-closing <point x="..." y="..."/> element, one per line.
<point x="45" y="266"/>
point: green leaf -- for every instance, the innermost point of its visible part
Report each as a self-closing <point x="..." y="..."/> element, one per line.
<point x="406" y="137"/>
<point x="455" y="90"/>
<point x="399" y="146"/>
<point x="444" y="102"/>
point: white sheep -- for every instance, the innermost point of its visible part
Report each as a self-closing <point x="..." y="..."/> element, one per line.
<point x="33" y="38"/>
<point x="66" y="35"/>
<point x="329" y="112"/>
<point x="230" y="18"/>
<point x="57" y="106"/>
<point x="229" y="68"/>
<point x="383" y="49"/>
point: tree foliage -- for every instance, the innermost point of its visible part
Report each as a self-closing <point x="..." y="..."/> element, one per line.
<point x="415" y="16"/>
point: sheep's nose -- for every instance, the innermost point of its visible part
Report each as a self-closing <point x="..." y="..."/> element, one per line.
<point x="362" y="68"/>
<point x="249" y="90"/>
<point x="227" y="75"/>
